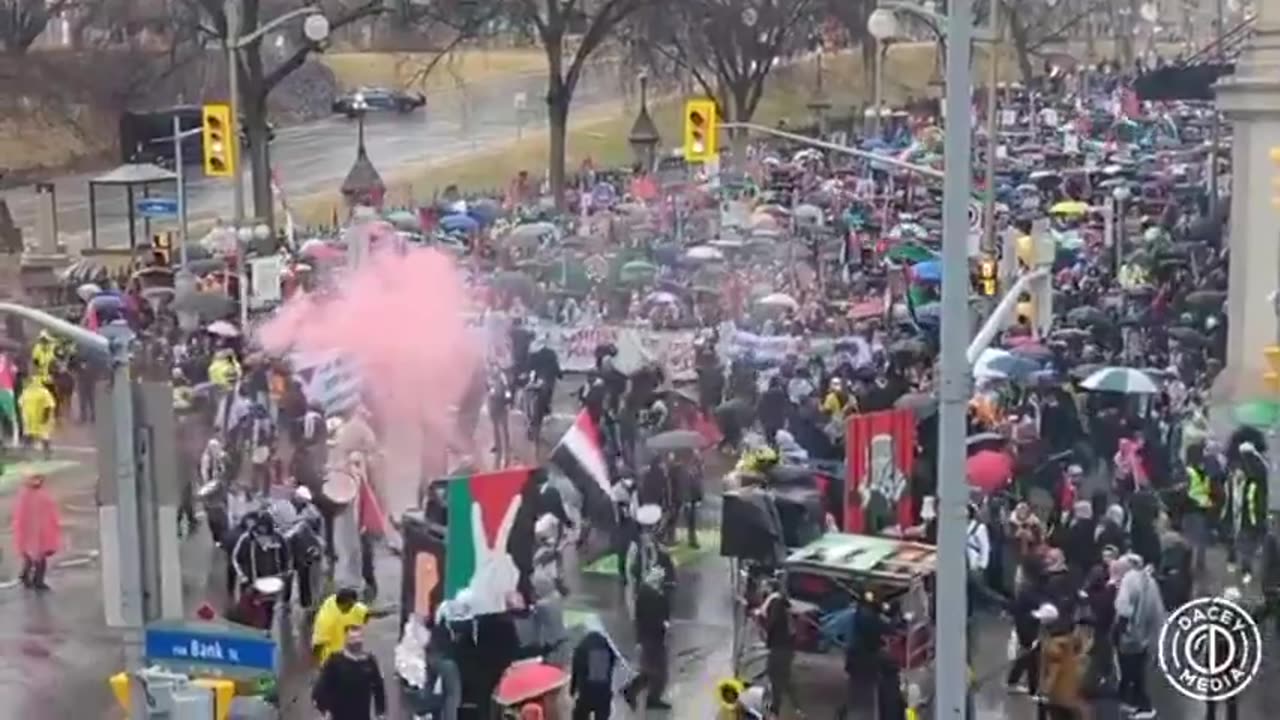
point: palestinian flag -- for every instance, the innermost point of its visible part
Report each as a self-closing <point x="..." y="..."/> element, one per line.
<point x="489" y="536"/>
<point x="580" y="455"/>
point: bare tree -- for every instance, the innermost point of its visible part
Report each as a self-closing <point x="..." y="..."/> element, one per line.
<point x="554" y="22"/>
<point x="257" y="80"/>
<point x="731" y="46"/>
<point x="22" y="22"/>
<point x="1033" y="24"/>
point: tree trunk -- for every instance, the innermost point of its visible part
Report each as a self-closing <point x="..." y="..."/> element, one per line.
<point x="1021" y="48"/>
<point x="254" y="110"/>
<point x="558" y="97"/>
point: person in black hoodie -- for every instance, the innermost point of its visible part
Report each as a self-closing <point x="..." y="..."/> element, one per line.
<point x="1079" y="541"/>
<point x="591" y="683"/>
<point x="773" y="409"/>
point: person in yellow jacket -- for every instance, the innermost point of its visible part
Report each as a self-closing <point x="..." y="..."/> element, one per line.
<point x="224" y="370"/>
<point x="1199" y="508"/>
<point x="339" y="612"/>
<point x="44" y="354"/>
<point x="37" y="405"/>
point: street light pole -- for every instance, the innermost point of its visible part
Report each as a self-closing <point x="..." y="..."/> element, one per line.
<point x="951" y="627"/>
<point x="993" y="137"/>
<point x="181" y="170"/>
<point x="231" y="10"/>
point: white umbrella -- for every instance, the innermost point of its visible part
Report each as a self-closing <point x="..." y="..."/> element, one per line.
<point x="1129" y="381"/>
<point x="704" y="252"/>
<point x="779" y="300"/>
<point x="727" y="244"/>
<point x="809" y="214"/>
<point x="662" y="298"/>
<point x="984" y="368"/>
<point x="222" y="328"/>
<point x="87" y="291"/>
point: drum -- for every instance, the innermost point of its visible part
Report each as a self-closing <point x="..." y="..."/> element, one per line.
<point x="272" y="585"/>
<point x="340" y="487"/>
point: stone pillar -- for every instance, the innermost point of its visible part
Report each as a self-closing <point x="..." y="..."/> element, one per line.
<point x="1250" y="99"/>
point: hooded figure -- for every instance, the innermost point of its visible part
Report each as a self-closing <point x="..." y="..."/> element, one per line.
<point x="1140" y="614"/>
<point x="591" y="682"/>
<point x="1079" y="539"/>
<point x="37" y="531"/>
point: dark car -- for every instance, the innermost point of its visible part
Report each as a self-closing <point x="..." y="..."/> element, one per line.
<point x="378" y="100"/>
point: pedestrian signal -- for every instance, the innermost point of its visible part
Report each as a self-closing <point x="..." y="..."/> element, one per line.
<point x="700" y="120"/>
<point x="987" y="277"/>
<point x="219" y="140"/>
<point x="1271" y="378"/>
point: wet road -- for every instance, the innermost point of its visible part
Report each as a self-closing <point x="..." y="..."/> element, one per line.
<point x="315" y="157"/>
<point x="55" y="654"/>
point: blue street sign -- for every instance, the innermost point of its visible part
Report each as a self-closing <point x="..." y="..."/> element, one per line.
<point x="210" y="646"/>
<point x="158" y="207"/>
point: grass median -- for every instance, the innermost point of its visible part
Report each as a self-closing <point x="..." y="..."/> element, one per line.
<point x="408" y="70"/>
<point x="601" y="134"/>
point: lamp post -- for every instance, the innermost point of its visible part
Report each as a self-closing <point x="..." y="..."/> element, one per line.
<point x="359" y="106"/>
<point x="1120" y="195"/>
<point x="316" y="29"/>
<point x="644" y="137"/>
<point x="883" y="26"/>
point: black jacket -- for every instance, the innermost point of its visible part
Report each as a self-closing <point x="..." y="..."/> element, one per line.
<point x="348" y="687"/>
<point x="653" y="610"/>
<point x="593" y="663"/>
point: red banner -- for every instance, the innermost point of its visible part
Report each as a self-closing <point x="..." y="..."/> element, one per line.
<point x="880" y="452"/>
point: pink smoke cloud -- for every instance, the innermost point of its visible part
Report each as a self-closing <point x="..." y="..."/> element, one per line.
<point x="400" y="320"/>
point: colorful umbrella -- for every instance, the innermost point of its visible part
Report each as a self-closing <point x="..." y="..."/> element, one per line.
<point x="1122" y="380"/>
<point x="1069" y="207"/>
<point x="637" y="271"/>
<point x="459" y="223"/>
<point x="989" y="470"/>
<point x="1264" y="414"/>
<point x="528" y="681"/>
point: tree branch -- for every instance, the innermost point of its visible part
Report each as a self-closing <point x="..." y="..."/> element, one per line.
<point x="299" y="56"/>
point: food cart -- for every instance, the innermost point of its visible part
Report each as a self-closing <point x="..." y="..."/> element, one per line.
<point x="825" y="578"/>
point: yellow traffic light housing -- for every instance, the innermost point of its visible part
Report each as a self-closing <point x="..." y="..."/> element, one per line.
<point x="219" y="140"/>
<point x="700" y="141"/>
<point x="1271" y="377"/>
<point x="987" y="277"/>
<point x="1275" y="177"/>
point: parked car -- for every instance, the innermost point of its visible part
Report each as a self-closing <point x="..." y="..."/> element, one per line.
<point x="378" y="100"/>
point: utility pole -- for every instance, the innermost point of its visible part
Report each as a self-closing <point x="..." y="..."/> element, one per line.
<point x="993" y="136"/>
<point x="1216" y="141"/>
<point x="951" y="627"/>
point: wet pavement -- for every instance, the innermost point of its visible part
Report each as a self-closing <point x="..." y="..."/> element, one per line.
<point x="55" y="654"/>
<point x="315" y="157"/>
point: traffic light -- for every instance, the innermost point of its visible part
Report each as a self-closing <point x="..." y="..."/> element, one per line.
<point x="1271" y="377"/>
<point x="219" y="141"/>
<point x="162" y="249"/>
<point x="987" y="277"/>
<point x="700" y="120"/>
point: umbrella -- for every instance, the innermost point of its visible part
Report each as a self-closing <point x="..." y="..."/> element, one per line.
<point x="1070" y="334"/>
<point x="1188" y="336"/>
<point x="924" y="405"/>
<point x="405" y="220"/>
<point x="459" y="223"/>
<point x="811" y="214"/>
<point x="222" y="328"/>
<point x="1069" y="207"/>
<point x="1264" y="414"/>
<point x="929" y="271"/>
<point x="727" y="244"/>
<point x="910" y="346"/>
<point x="910" y="252"/>
<point x="989" y="470"/>
<point x="532" y="232"/>
<point x="662" y="298"/>
<point x="527" y="681"/>
<point x="87" y="291"/>
<point x="515" y="283"/>
<point x="203" y="304"/>
<point x="675" y="440"/>
<point x="704" y="252"/>
<point x="778" y="300"/>
<point x="319" y="250"/>
<point x="1087" y="315"/>
<point x="1002" y="364"/>
<point x="484" y="210"/>
<point x="1122" y="380"/>
<point x="1032" y="351"/>
<point x="763" y="222"/>
<point x="637" y="271"/>
<point x="1206" y="298"/>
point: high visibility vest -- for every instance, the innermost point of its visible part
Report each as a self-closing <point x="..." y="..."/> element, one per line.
<point x="1198" y="489"/>
<point x="1251" y="503"/>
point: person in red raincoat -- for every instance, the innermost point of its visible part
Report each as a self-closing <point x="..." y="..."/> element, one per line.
<point x="37" y="530"/>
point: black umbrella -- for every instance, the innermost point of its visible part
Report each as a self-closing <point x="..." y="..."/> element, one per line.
<point x="1070" y="334"/>
<point x="924" y="405"/>
<point x="1081" y="372"/>
<point x="675" y="440"/>
<point x="1188" y="336"/>
<point x="1206" y="298"/>
<point x="1087" y="315"/>
<point x="910" y="346"/>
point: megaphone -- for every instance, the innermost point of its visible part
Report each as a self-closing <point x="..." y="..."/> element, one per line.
<point x="728" y="691"/>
